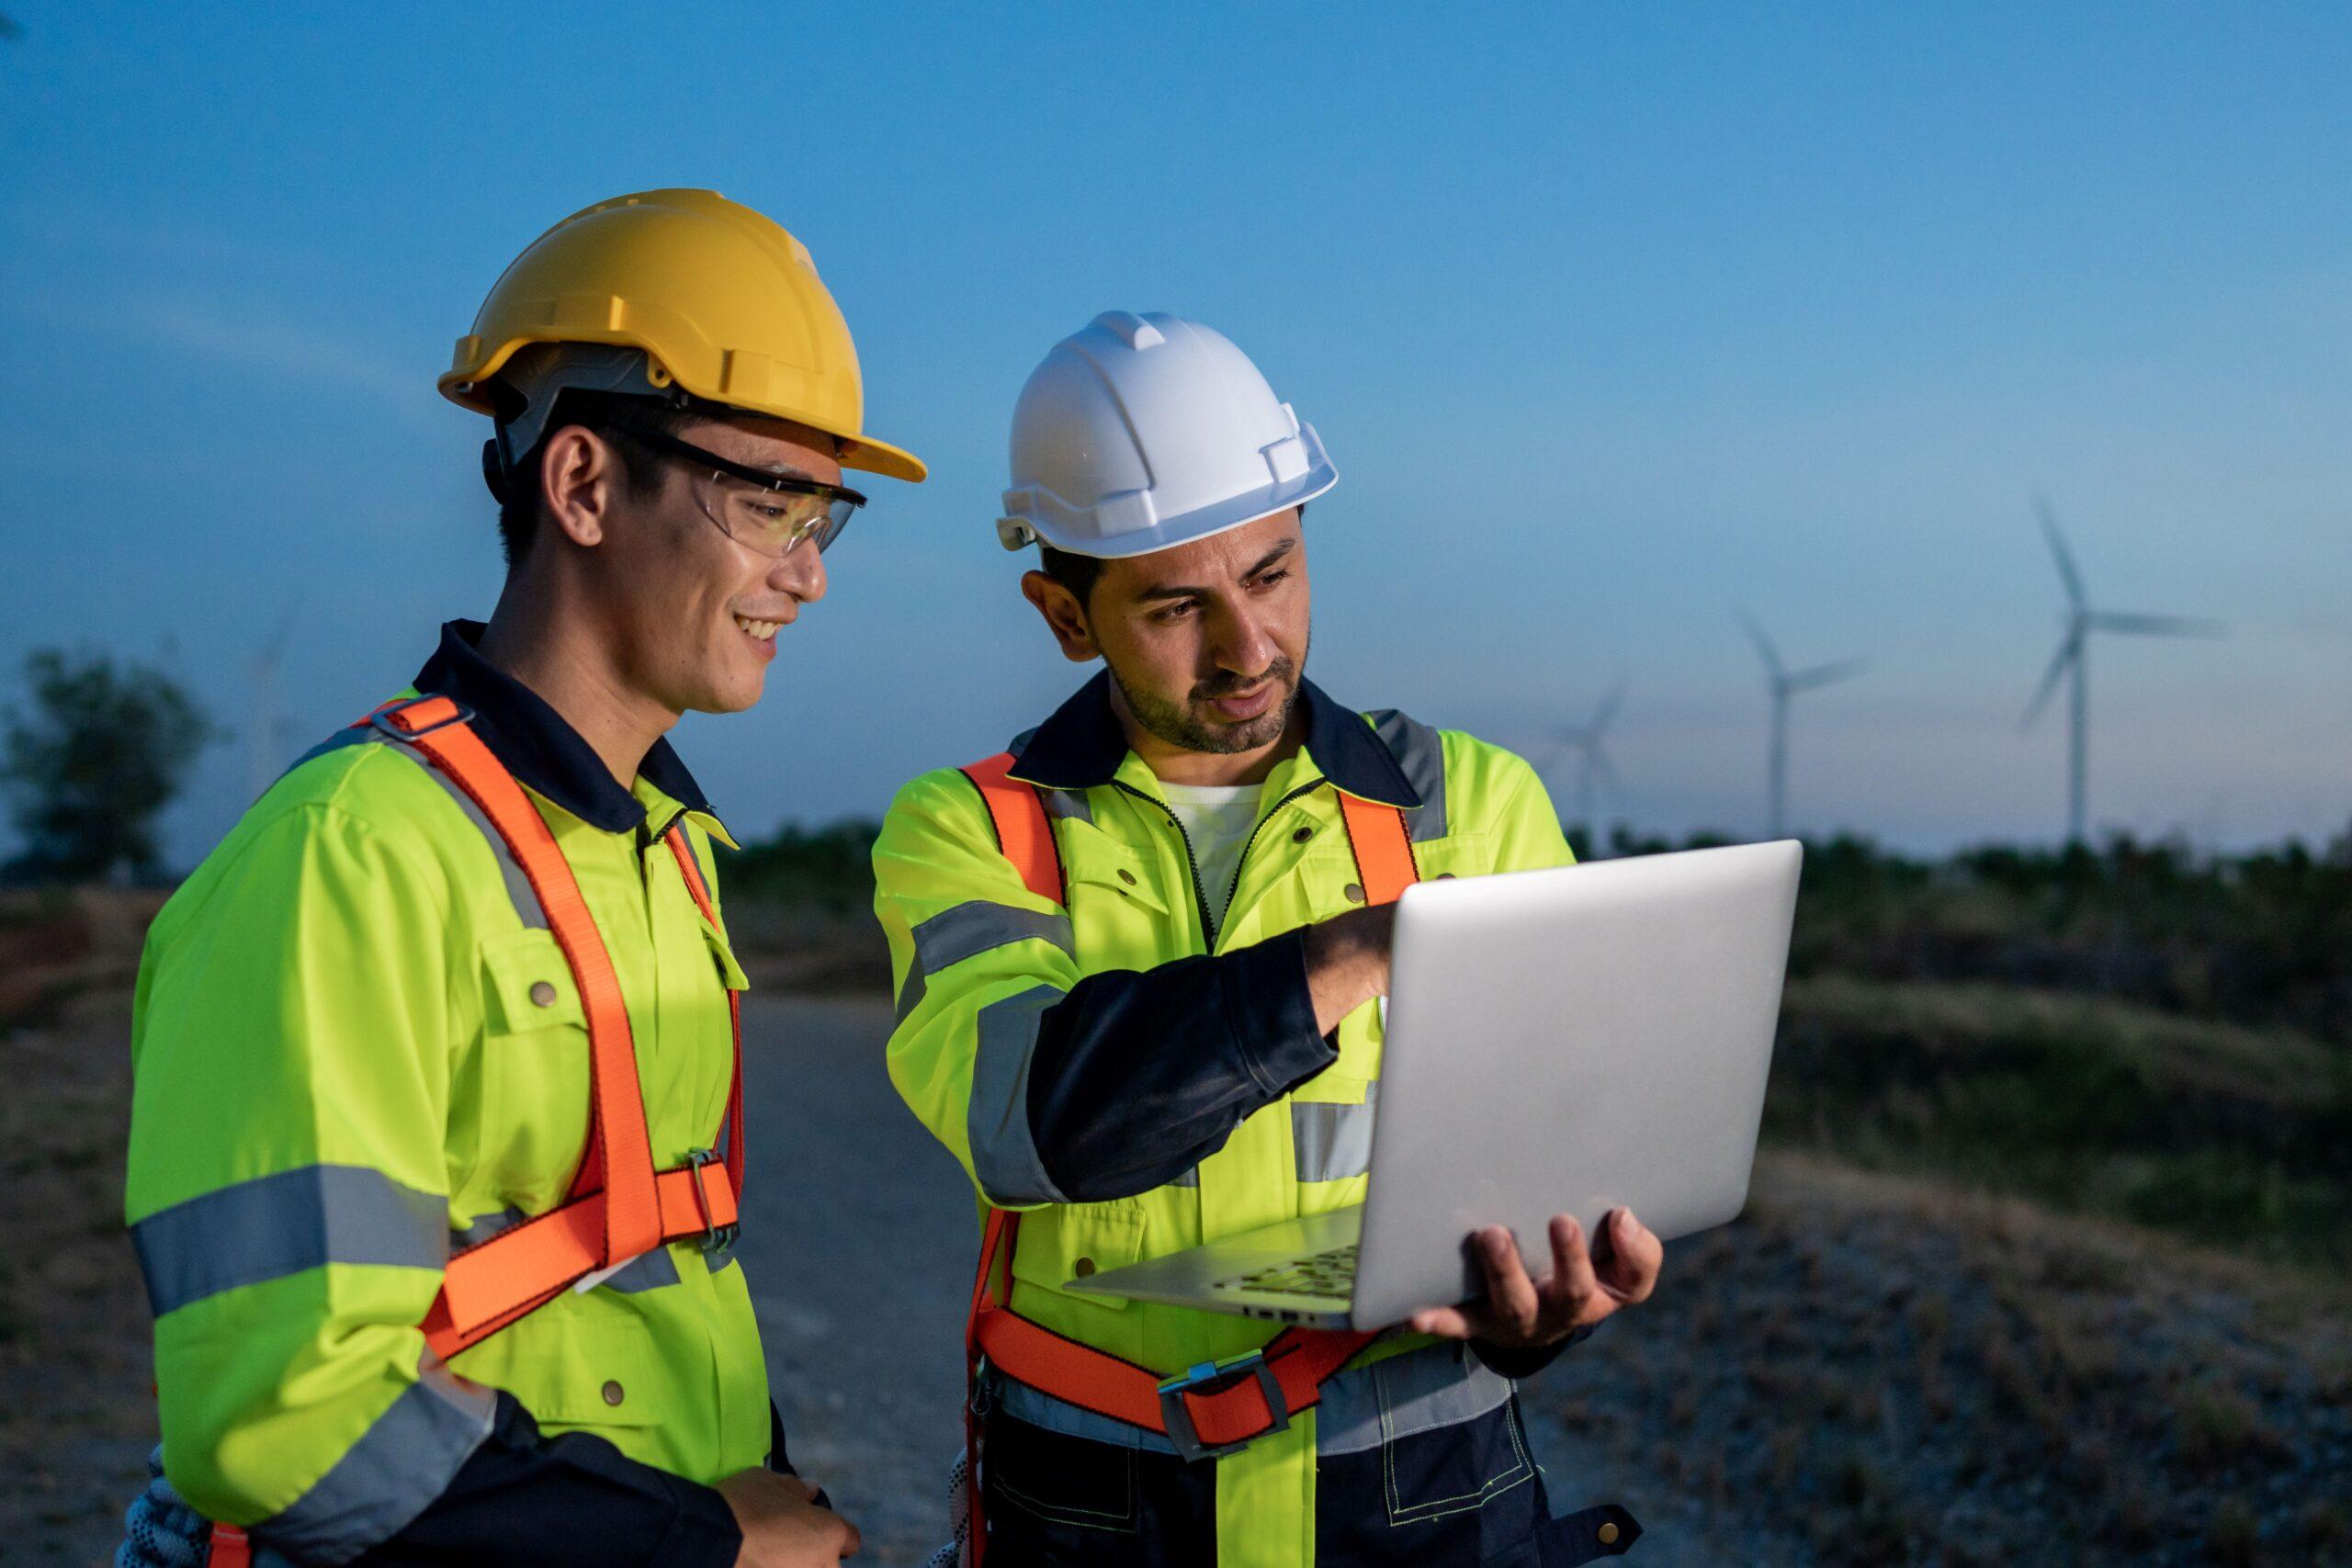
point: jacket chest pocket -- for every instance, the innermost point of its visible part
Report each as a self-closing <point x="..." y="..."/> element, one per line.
<point x="1114" y="898"/>
<point x="533" y="1106"/>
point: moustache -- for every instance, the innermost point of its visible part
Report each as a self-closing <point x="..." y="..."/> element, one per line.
<point x="1226" y="685"/>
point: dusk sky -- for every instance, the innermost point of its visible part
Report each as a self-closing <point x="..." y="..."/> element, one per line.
<point x="1615" y="319"/>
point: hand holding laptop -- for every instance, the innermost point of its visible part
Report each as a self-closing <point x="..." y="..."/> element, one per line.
<point x="1585" y="1284"/>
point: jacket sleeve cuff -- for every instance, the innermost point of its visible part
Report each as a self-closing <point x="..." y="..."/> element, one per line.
<point x="1271" y="1013"/>
<point x="702" y="1533"/>
<point x="1518" y="1365"/>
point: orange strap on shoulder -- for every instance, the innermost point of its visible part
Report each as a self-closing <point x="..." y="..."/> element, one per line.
<point x="1384" y="849"/>
<point x="230" y="1549"/>
<point x="1022" y="830"/>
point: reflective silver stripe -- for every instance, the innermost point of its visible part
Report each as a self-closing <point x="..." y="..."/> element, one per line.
<point x="1004" y="1155"/>
<point x="399" y="1465"/>
<point x="1439" y="1385"/>
<point x="971" y="929"/>
<point x="1420" y="755"/>
<point x="1067" y="805"/>
<point x="483" y="1228"/>
<point x="518" y="887"/>
<point x="646" y="1271"/>
<point x="1333" y="1141"/>
<point x="275" y="1225"/>
<point x="1421" y="1390"/>
<point x="1190" y="1177"/>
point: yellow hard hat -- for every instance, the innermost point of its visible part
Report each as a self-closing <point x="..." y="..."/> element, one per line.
<point x="725" y="304"/>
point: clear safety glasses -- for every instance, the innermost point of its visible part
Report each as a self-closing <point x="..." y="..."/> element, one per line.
<point x="772" y="514"/>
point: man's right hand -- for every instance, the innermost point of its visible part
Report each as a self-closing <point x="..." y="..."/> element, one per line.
<point x="782" y="1526"/>
<point x="1347" y="962"/>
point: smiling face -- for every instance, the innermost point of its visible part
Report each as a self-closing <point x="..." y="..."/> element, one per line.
<point x="689" y="613"/>
<point x="1206" y="645"/>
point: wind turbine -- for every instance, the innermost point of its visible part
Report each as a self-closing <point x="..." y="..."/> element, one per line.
<point x="1593" y="767"/>
<point x="1784" y="683"/>
<point x="265" y="728"/>
<point x="2080" y="621"/>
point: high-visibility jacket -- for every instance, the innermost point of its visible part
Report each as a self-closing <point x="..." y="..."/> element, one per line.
<point x="358" y="1049"/>
<point x="1136" y="1082"/>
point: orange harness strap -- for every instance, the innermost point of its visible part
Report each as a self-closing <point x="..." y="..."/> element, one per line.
<point x="1213" y="1407"/>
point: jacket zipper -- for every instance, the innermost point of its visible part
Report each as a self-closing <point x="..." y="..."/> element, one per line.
<point x="1200" y="897"/>
<point x="1252" y="842"/>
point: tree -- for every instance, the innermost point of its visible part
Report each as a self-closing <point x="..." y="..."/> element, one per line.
<point x="101" y="751"/>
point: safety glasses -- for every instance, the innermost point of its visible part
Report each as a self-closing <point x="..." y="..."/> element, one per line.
<point x="772" y="514"/>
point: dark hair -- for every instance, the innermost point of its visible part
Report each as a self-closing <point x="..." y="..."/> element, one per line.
<point x="1076" y="573"/>
<point x="517" y="488"/>
<point x="1081" y="573"/>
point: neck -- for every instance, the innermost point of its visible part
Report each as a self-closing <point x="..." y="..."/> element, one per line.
<point x="1178" y="765"/>
<point x="560" y="654"/>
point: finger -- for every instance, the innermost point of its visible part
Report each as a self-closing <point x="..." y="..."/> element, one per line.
<point x="851" y="1539"/>
<point x="1631" y="1271"/>
<point x="1572" y="1280"/>
<point x="1451" y="1323"/>
<point x="1510" y="1294"/>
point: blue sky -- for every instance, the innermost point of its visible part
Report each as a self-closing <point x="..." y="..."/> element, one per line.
<point x="1614" y="320"/>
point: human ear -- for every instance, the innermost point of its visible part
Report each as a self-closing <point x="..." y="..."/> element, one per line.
<point x="1063" y="613"/>
<point x="577" y="482"/>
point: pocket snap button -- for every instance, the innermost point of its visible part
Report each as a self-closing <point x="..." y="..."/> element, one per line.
<point x="1083" y="1266"/>
<point x="612" y="1393"/>
<point x="1128" y="877"/>
<point x="1354" y="893"/>
<point x="542" y="994"/>
<point x="1302" y="835"/>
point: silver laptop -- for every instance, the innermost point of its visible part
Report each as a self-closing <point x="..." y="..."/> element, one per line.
<point x="1566" y="1041"/>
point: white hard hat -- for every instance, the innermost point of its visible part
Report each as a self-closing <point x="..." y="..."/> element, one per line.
<point x="1139" y="432"/>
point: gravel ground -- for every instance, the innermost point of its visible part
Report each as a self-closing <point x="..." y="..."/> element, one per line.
<point x="1863" y="1370"/>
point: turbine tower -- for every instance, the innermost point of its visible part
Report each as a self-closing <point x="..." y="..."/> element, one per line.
<point x="1784" y="683"/>
<point x="1594" y="771"/>
<point x="2080" y="620"/>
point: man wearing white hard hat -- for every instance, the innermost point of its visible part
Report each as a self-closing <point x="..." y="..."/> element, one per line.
<point x="1136" y="956"/>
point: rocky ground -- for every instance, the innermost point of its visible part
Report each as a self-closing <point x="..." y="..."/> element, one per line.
<point x="1865" y="1370"/>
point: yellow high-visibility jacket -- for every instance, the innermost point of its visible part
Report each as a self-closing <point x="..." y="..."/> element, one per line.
<point x="356" y="1046"/>
<point x="1139" y="1083"/>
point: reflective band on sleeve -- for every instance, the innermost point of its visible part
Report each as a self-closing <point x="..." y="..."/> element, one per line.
<point x="1004" y="1152"/>
<point x="971" y="929"/>
<point x="275" y="1225"/>
<point x="1333" y="1141"/>
<point x="387" y="1478"/>
<point x="1420" y="755"/>
<point x="483" y="1228"/>
<point x="1067" y="805"/>
<point x="646" y="1271"/>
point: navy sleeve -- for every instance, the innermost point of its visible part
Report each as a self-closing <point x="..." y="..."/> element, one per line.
<point x="567" y="1502"/>
<point x="1139" y="1074"/>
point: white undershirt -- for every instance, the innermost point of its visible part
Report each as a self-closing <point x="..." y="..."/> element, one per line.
<point x="1217" y="819"/>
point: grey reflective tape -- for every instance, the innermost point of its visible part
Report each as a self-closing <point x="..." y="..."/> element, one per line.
<point x="1333" y="1141"/>
<point x="275" y="1225"/>
<point x="1421" y="1390"/>
<point x="1190" y="1177"/>
<point x="483" y="1228"/>
<point x="524" y="898"/>
<point x="1004" y="1152"/>
<point x="398" y="1466"/>
<point x="1420" y="756"/>
<point x="1067" y="805"/>
<point x="646" y="1271"/>
<point x="1045" y="1411"/>
<point x="971" y="929"/>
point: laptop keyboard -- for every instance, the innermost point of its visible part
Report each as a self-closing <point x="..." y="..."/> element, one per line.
<point x="1331" y="1273"/>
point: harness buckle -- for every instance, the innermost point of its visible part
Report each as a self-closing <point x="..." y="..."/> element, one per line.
<point x="382" y="717"/>
<point x="1181" y="1432"/>
<point x="717" y="1240"/>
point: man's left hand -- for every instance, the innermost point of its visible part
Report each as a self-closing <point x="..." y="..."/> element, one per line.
<point x="1585" y="1284"/>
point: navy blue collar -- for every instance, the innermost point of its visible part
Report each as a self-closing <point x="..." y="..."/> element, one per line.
<point x="1082" y="746"/>
<point x="539" y="747"/>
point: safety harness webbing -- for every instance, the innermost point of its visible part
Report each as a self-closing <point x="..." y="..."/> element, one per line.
<point x="618" y="1207"/>
<point x="1209" y="1409"/>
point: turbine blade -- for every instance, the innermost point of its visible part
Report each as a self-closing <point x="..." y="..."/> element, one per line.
<point x="1771" y="655"/>
<point x="2065" y="558"/>
<point x="2155" y="626"/>
<point x="1609" y="706"/>
<point x="2067" y="651"/>
<point x="1827" y="675"/>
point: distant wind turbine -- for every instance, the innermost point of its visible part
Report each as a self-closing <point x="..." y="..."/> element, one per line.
<point x="1594" y="771"/>
<point x="2080" y="621"/>
<point x="1784" y="683"/>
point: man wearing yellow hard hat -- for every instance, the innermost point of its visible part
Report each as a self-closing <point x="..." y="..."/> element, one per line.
<point x="437" y="1138"/>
